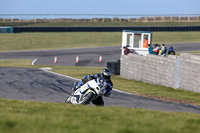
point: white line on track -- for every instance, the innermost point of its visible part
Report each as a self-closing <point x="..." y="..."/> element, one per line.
<point x="33" y="62"/>
<point x="80" y="79"/>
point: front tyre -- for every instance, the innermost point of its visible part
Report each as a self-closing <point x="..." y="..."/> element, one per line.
<point x="68" y="100"/>
<point x="87" y="98"/>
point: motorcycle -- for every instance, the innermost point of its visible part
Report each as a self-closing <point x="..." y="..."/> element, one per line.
<point x="88" y="92"/>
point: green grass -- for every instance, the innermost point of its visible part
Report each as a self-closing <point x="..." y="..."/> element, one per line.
<point x="98" y="23"/>
<point x="39" y="117"/>
<point x="135" y="87"/>
<point x="34" y="117"/>
<point x="38" y="41"/>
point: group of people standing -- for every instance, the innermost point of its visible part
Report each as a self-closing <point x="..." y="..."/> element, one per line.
<point x="160" y="49"/>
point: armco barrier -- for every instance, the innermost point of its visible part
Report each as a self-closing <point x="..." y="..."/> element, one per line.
<point x="106" y="29"/>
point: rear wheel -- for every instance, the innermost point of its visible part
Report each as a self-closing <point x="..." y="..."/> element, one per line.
<point x="87" y="98"/>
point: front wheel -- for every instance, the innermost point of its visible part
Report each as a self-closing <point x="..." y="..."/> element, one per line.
<point x="68" y="99"/>
<point x="87" y="98"/>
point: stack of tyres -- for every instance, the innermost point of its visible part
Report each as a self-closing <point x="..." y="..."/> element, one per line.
<point x="118" y="67"/>
<point x="114" y="67"/>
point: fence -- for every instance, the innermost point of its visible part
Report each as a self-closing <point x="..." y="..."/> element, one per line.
<point x="177" y="72"/>
<point x="99" y="18"/>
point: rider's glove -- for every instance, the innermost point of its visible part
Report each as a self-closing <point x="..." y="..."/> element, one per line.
<point x="90" y="77"/>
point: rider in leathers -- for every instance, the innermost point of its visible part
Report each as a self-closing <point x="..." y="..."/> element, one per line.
<point x="105" y="74"/>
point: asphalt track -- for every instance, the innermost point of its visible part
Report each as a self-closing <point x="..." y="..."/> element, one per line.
<point x="87" y="56"/>
<point x="38" y="85"/>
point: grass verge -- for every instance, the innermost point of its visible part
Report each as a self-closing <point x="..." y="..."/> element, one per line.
<point x="39" y="117"/>
<point x="38" y="41"/>
<point x="139" y="88"/>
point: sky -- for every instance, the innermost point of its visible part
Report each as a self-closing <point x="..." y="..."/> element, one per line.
<point x="99" y="6"/>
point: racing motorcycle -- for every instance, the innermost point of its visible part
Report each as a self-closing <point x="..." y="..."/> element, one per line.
<point x="88" y="92"/>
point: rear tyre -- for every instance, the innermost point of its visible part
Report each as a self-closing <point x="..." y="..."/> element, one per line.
<point x="87" y="98"/>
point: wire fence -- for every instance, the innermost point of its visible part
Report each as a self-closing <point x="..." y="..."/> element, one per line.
<point x="99" y="18"/>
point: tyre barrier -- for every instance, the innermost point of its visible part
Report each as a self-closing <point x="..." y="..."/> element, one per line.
<point x="114" y="67"/>
<point x="106" y="29"/>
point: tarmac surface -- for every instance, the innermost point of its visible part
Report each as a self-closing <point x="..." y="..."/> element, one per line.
<point x="38" y="85"/>
<point x="87" y="56"/>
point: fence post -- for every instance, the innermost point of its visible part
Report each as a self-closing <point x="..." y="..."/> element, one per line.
<point x="112" y="18"/>
<point x="52" y="17"/>
<point x="95" y="18"/>
<point x="35" y="18"/>
<point x="103" y="18"/>
<point x="188" y="17"/>
<point x="77" y="17"/>
<point x="27" y="18"/>
<point x="179" y="17"/>
<point x="177" y="78"/>
<point x="128" y="18"/>
<point x="146" y="18"/>
<point x="171" y="18"/>
<point x="4" y="18"/>
<point x="163" y="17"/>
<point x="12" y="19"/>
<point x="19" y="18"/>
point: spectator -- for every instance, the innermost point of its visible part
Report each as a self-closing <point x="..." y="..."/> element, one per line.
<point x="150" y="49"/>
<point x="171" y="51"/>
<point x="163" y="50"/>
<point x="156" y="49"/>
<point x="145" y="43"/>
<point x="126" y="50"/>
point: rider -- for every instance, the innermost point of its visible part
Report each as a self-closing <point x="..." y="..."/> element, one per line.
<point x="105" y="74"/>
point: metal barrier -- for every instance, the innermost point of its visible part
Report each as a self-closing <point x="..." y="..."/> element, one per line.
<point x="99" y="18"/>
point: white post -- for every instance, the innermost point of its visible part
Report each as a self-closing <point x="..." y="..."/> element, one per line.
<point x="27" y="18"/>
<point x="19" y="18"/>
<point x="146" y="18"/>
<point x="4" y="18"/>
<point x="188" y="17"/>
<point x="44" y="16"/>
<point x="77" y="17"/>
<point x="112" y="18"/>
<point x="94" y="17"/>
<point x="171" y="18"/>
<point x="35" y="18"/>
<point x="12" y="19"/>
<point x="103" y="18"/>
<point x="163" y="18"/>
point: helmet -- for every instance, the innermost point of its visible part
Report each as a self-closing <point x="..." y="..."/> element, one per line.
<point x="106" y="74"/>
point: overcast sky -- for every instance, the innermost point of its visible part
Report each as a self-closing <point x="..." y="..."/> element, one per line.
<point x="99" y="6"/>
